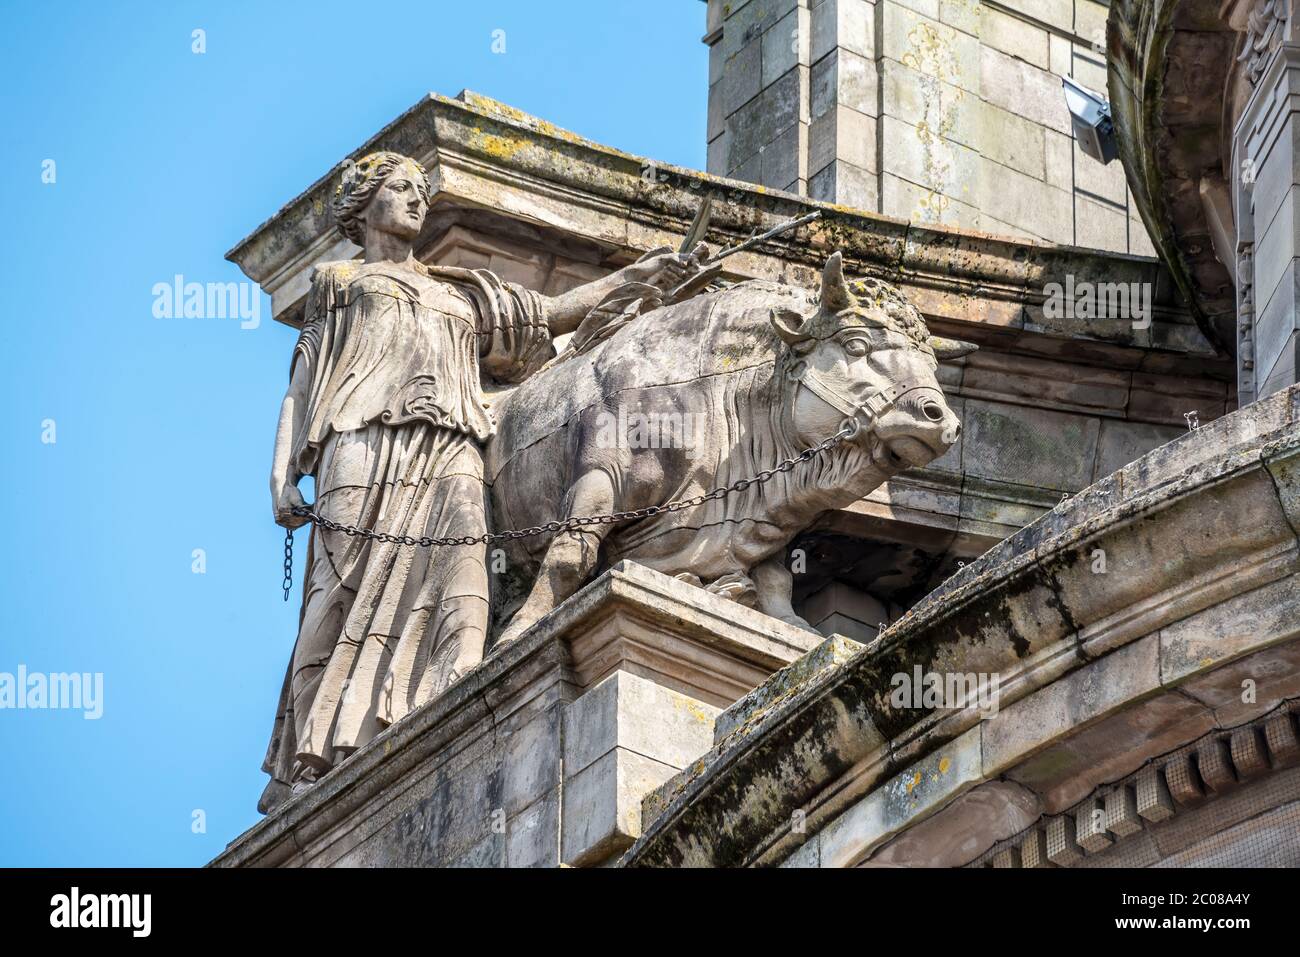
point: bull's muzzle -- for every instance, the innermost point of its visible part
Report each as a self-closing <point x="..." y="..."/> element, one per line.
<point x="917" y="431"/>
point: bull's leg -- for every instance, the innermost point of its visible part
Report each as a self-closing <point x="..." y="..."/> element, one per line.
<point x="774" y="584"/>
<point x="570" y="557"/>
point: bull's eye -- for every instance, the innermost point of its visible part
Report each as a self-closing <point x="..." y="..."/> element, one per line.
<point x="856" y="347"/>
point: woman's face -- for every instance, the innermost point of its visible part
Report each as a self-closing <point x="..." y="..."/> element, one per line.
<point x="398" y="207"/>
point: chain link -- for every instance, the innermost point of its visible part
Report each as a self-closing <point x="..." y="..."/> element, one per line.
<point x="573" y="523"/>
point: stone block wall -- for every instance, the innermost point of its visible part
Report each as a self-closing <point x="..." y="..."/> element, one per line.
<point x="840" y="609"/>
<point x="1267" y="228"/>
<point x="935" y="111"/>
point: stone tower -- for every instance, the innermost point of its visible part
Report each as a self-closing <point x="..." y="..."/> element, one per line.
<point x="938" y="111"/>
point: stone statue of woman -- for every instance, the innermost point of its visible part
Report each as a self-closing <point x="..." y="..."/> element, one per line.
<point x="384" y="409"/>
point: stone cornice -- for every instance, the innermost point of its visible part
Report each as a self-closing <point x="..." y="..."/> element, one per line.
<point x="1214" y="766"/>
<point x="491" y="164"/>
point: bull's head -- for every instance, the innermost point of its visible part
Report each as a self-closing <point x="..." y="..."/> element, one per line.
<point x="866" y="355"/>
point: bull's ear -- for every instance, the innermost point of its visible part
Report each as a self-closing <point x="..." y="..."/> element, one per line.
<point x="945" y="349"/>
<point x="835" y="291"/>
<point x="788" y="324"/>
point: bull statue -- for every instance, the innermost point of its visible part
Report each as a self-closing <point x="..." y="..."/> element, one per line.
<point x="700" y="394"/>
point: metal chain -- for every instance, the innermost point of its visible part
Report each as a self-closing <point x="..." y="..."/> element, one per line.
<point x="288" y="562"/>
<point x="847" y="430"/>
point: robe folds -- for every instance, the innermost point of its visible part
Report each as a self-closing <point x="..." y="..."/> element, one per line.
<point x="393" y="433"/>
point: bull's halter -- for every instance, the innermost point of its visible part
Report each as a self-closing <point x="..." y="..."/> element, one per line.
<point x="856" y="412"/>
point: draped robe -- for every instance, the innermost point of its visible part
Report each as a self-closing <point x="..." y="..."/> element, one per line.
<point x="392" y="432"/>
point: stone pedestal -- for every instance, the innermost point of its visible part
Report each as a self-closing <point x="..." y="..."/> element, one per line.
<point x="540" y="756"/>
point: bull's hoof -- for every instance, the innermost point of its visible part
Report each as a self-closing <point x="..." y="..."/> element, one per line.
<point x="735" y="586"/>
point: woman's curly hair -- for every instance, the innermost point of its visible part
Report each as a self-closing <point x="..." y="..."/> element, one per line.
<point x="358" y="184"/>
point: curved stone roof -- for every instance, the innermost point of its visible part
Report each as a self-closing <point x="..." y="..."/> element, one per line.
<point x="1201" y="570"/>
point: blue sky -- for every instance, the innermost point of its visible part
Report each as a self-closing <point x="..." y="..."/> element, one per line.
<point x="164" y="159"/>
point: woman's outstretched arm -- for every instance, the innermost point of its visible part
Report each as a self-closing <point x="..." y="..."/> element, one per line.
<point x="666" y="270"/>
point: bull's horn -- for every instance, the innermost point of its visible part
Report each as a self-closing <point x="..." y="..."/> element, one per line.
<point x="945" y="349"/>
<point x="835" y="291"/>
<point x="787" y="324"/>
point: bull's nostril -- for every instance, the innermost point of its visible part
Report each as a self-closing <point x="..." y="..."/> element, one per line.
<point x="933" y="411"/>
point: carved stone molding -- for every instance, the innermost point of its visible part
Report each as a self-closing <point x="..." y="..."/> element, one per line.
<point x="1246" y="323"/>
<point x="1266" y="30"/>
<point x="1217" y="765"/>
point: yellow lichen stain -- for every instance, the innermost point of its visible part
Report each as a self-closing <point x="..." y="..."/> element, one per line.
<point x="932" y="58"/>
<point x="499" y="147"/>
<point x="537" y="124"/>
<point x="944" y="764"/>
<point x="1206" y="662"/>
<point x="693" y="708"/>
<point x="504" y="109"/>
<point x="916" y="779"/>
<point x="318" y="206"/>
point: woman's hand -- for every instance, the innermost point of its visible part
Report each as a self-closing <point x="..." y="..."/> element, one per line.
<point x="663" y="269"/>
<point x="667" y="270"/>
<point x="283" y="502"/>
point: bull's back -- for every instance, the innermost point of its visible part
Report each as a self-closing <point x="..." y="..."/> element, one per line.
<point x="724" y="331"/>
<point x="666" y="359"/>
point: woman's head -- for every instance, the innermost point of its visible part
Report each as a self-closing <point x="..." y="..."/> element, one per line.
<point x="387" y="190"/>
